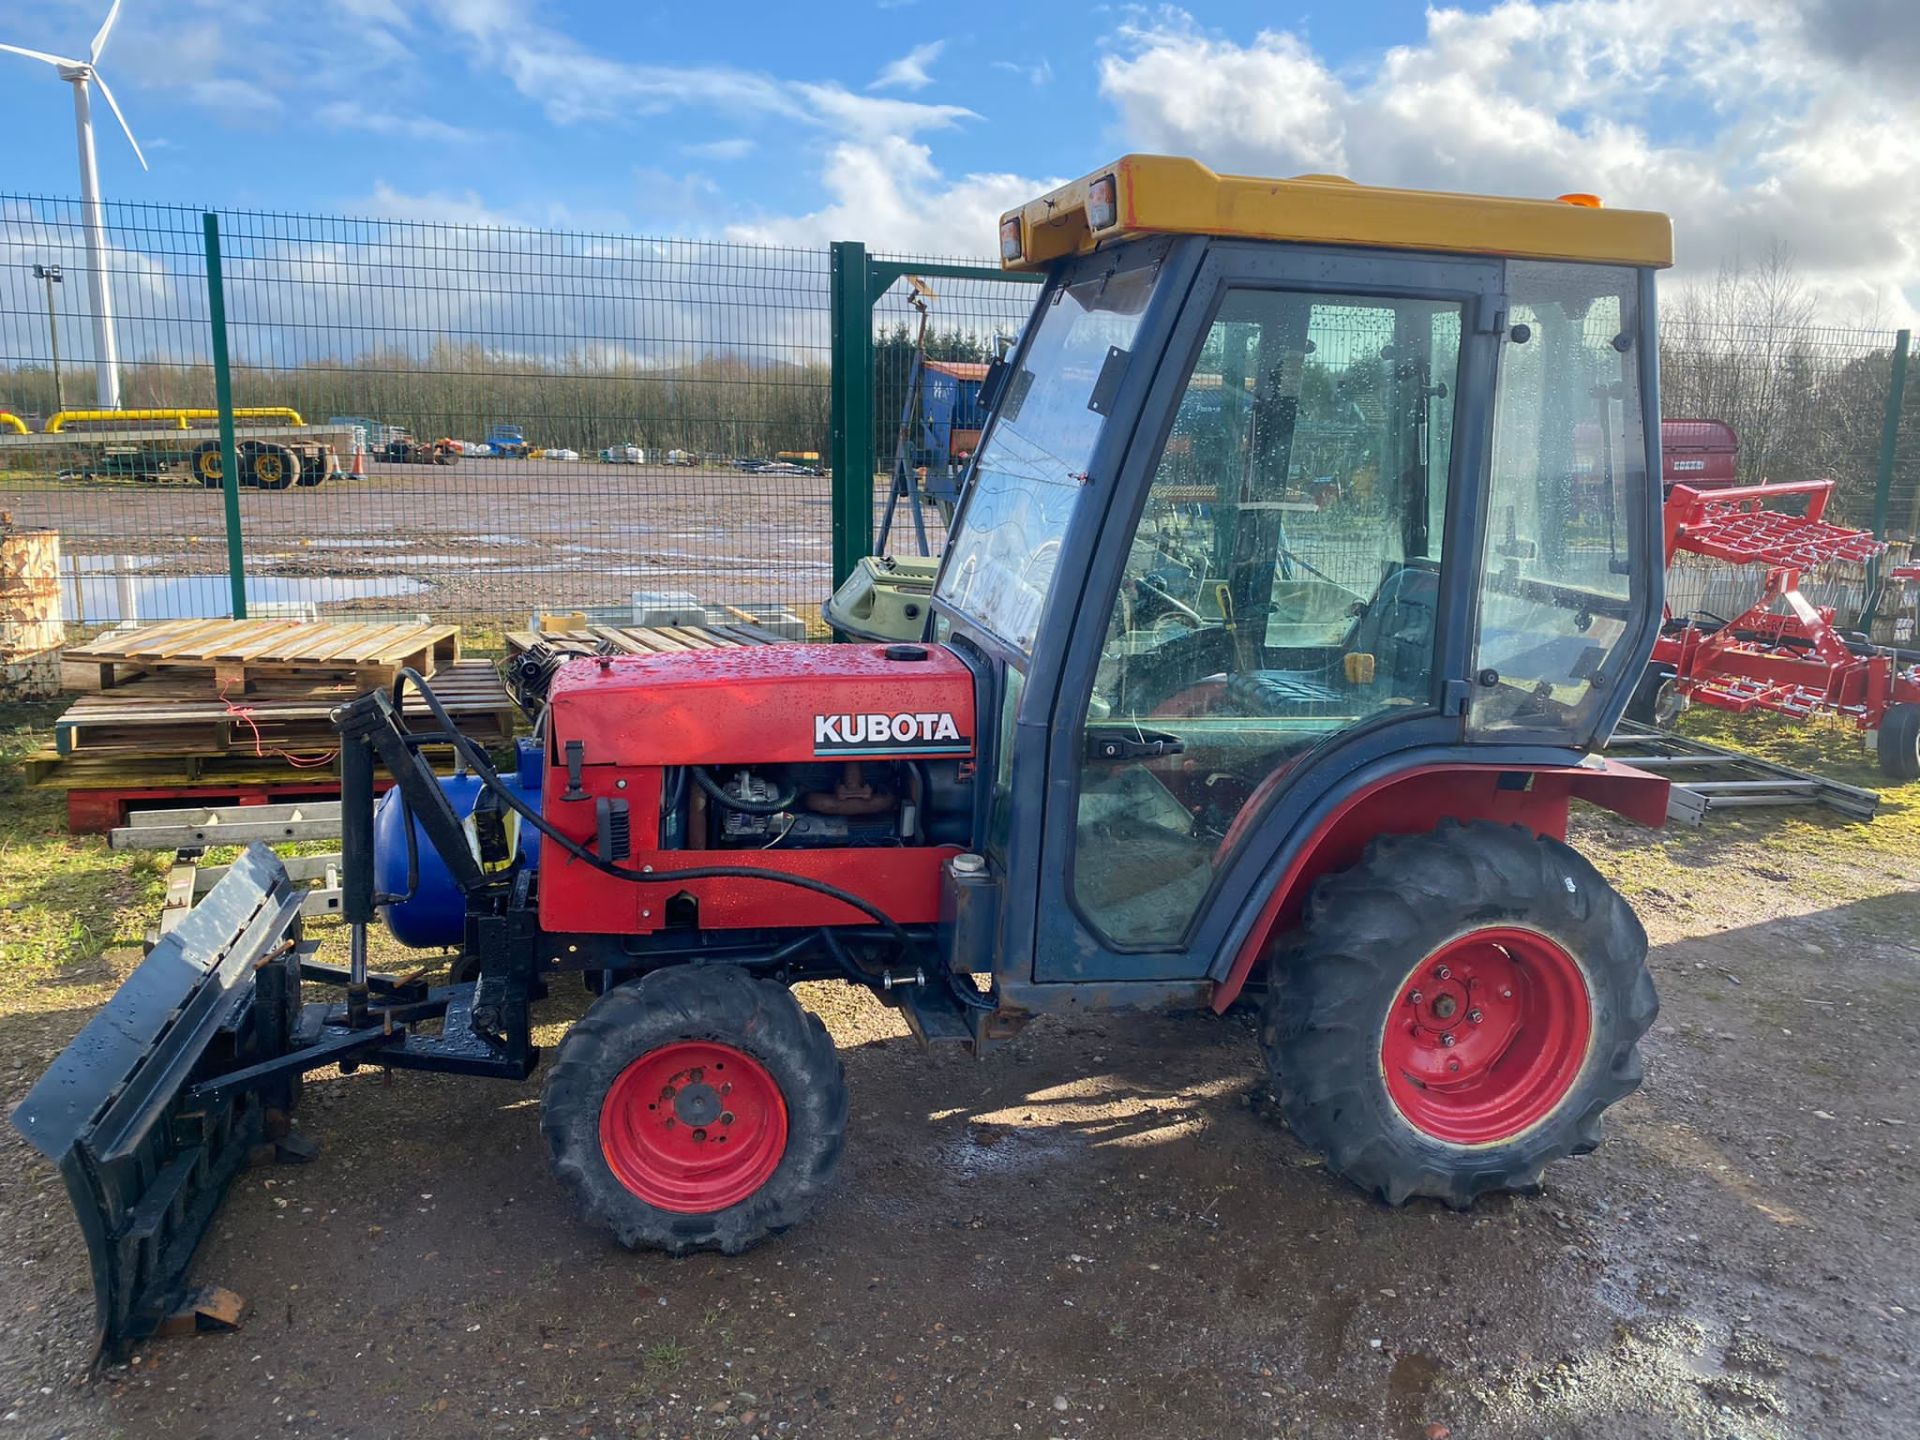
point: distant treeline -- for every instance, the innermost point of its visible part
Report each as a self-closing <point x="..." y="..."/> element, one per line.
<point x="1808" y="401"/>
<point x="719" y="404"/>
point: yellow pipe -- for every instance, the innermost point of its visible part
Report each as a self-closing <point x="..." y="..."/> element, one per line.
<point x="13" y="422"/>
<point x="180" y="417"/>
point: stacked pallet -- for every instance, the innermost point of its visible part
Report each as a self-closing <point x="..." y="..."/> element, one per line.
<point x="575" y="633"/>
<point x="238" y="711"/>
<point x="241" y="655"/>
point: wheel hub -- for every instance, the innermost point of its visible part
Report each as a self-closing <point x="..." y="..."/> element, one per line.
<point x="698" y="1104"/>
<point x="693" y="1127"/>
<point x="1488" y="1036"/>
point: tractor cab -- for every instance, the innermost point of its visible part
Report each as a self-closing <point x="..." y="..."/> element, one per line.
<point x="1292" y="487"/>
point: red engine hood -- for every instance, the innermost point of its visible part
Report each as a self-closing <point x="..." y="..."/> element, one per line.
<point x="764" y="704"/>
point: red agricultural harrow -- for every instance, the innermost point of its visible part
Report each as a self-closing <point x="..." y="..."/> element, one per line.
<point x="1782" y="653"/>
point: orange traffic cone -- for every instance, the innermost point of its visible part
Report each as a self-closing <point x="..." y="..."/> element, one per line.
<point x="359" y="460"/>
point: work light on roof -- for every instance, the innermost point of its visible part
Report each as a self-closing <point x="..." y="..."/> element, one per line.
<point x="1103" y="207"/>
<point x="1010" y="238"/>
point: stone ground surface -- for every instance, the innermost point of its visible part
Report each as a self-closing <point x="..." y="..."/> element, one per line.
<point x="1100" y="1230"/>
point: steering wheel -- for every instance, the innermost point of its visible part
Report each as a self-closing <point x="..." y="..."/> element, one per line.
<point x="1179" y="607"/>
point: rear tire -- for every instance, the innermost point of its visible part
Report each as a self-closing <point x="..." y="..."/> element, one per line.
<point x="1363" y="1034"/>
<point x="1899" y="742"/>
<point x="636" y="1111"/>
<point x="272" y="467"/>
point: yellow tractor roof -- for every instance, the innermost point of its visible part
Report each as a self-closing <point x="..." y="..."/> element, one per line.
<point x="1164" y="194"/>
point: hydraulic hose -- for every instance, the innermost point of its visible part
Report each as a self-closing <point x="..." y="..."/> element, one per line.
<point x="719" y="796"/>
<point x="490" y="777"/>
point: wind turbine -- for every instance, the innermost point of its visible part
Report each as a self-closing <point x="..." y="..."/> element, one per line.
<point x="81" y="74"/>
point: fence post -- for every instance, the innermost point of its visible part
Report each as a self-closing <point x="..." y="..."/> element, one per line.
<point x="1883" y="485"/>
<point x="223" y="398"/>
<point x="851" y="390"/>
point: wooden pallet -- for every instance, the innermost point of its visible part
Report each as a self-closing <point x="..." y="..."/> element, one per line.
<point x="639" y="639"/>
<point x="173" y="716"/>
<point x="244" y="655"/>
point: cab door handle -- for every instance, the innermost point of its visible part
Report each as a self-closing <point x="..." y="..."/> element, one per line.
<point x="1116" y="747"/>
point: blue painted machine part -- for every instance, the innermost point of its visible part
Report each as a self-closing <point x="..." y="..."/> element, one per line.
<point x="436" y="913"/>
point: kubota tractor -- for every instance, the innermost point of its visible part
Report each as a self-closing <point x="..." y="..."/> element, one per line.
<point x="1278" y="627"/>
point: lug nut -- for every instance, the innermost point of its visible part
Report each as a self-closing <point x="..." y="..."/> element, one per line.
<point x="1506" y="992"/>
<point x="1444" y="973"/>
<point x="1447" y="1039"/>
<point x="1474" y="1017"/>
<point x="1414" y="997"/>
<point x="700" y="1134"/>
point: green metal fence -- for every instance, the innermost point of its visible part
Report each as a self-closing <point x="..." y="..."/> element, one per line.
<point x="748" y="401"/>
<point x="890" y="312"/>
<point x="699" y="368"/>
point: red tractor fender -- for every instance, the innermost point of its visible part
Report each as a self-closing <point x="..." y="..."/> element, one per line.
<point x="1414" y="801"/>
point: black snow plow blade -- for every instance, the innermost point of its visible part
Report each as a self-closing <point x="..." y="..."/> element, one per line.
<point x="145" y="1158"/>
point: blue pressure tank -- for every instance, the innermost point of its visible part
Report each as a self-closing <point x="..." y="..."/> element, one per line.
<point x="435" y="914"/>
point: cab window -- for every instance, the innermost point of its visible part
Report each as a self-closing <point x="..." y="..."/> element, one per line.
<point x="1280" y="587"/>
<point x="1569" y="474"/>
<point x="1032" y="468"/>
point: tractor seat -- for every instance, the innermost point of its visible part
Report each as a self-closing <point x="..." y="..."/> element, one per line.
<point x="1282" y="692"/>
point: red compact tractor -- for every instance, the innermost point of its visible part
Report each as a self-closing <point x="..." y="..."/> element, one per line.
<point x="1782" y="653"/>
<point x="1291" y="710"/>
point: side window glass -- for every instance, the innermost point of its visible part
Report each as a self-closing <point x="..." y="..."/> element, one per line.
<point x="1280" y="587"/>
<point x="1568" y="473"/>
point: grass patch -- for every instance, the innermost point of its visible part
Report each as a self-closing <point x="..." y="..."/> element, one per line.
<point x="64" y="899"/>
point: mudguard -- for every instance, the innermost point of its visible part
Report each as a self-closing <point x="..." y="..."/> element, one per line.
<point x="145" y="1159"/>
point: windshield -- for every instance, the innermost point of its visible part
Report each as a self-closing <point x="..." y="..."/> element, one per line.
<point x="1029" y="474"/>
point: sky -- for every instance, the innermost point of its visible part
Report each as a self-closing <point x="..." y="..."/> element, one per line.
<point x="1760" y="125"/>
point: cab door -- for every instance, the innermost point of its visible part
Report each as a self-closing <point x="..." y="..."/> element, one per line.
<point x="1277" y="595"/>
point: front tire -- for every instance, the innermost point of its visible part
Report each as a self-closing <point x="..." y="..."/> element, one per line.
<point x="1456" y="1011"/>
<point x="696" y="1109"/>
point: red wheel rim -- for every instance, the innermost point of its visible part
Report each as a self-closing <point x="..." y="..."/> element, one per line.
<point x="1487" y="1036"/>
<point x="693" y="1127"/>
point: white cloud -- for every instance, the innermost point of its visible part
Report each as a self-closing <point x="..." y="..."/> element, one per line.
<point x="873" y="118"/>
<point x="433" y="207"/>
<point x="890" y="194"/>
<point x="573" y="84"/>
<point x="1787" y="138"/>
<point x="1039" y="73"/>
<point x="346" y="115"/>
<point x="237" y="99"/>
<point x="736" y="147"/>
<point x="909" y="72"/>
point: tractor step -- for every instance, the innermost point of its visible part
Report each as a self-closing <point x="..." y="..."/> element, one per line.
<point x="935" y="1015"/>
<point x="1707" y="777"/>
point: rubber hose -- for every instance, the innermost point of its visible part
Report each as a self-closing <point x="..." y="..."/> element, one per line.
<point x="733" y="802"/>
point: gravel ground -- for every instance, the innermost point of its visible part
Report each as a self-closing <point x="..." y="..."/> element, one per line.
<point x="1100" y="1230"/>
<point x="489" y="537"/>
